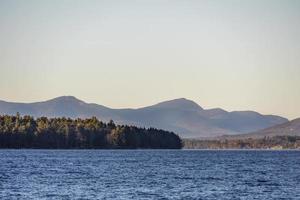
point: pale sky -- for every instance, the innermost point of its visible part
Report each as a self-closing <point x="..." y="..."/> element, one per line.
<point x="237" y="55"/>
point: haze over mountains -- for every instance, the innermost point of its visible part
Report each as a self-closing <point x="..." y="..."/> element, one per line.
<point x="184" y="117"/>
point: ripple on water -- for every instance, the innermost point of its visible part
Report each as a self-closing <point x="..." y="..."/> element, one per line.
<point x="147" y="174"/>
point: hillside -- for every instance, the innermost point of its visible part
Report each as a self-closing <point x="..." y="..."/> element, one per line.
<point x="291" y="128"/>
<point x="282" y="136"/>
<point x="182" y="116"/>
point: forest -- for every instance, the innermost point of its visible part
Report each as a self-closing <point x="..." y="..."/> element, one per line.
<point x="65" y="133"/>
<point x="275" y="142"/>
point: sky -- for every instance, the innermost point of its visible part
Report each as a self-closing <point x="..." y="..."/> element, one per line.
<point x="232" y="54"/>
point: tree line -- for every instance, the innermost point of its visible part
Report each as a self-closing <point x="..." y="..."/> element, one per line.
<point x="275" y="142"/>
<point x="54" y="133"/>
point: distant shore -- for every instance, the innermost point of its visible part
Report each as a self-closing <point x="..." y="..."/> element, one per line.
<point x="267" y="143"/>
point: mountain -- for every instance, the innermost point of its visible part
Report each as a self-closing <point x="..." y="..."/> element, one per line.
<point x="181" y="116"/>
<point x="291" y="128"/>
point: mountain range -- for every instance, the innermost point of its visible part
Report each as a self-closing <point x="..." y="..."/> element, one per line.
<point x="182" y="116"/>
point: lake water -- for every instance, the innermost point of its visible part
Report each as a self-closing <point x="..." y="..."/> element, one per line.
<point x="149" y="174"/>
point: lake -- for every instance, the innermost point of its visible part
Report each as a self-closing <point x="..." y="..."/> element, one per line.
<point x="149" y="174"/>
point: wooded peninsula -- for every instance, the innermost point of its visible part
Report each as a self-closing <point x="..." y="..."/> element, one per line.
<point x="65" y="133"/>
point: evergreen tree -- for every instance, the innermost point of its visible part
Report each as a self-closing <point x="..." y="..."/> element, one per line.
<point x="27" y="132"/>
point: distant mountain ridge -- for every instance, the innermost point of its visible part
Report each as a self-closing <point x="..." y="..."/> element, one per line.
<point x="182" y="116"/>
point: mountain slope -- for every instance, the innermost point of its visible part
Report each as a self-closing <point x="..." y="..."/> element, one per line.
<point x="65" y="106"/>
<point x="291" y="128"/>
<point x="182" y="116"/>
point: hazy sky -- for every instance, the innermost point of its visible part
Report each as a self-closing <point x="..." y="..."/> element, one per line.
<point x="237" y="55"/>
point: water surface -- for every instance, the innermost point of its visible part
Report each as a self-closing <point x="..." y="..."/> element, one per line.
<point x="149" y="174"/>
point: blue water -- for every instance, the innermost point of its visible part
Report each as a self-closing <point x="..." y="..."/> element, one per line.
<point x="149" y="174"/>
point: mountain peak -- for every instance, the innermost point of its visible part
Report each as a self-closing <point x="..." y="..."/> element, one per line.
<point x="180" y="103"/>
<point x="69" y="99"/>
